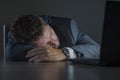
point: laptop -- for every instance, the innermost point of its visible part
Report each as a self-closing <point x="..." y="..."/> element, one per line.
<point x="110" y="45"/>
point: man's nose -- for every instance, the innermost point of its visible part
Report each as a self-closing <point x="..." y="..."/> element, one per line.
<point x="53" y="43"/>
<point x="52" y="40"/>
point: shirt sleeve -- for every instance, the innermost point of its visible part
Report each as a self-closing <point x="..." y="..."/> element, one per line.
<point x="71" y="52"/>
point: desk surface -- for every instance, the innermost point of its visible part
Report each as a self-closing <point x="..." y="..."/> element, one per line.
<point x="56" y="71"/>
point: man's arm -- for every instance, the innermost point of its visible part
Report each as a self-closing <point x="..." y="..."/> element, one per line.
<point x="86" y="47"/>
<point x="16" y="51"/>
<point x="39" y="54"/>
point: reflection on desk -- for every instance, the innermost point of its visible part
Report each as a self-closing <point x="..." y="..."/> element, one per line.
<point x="56" y="71"/>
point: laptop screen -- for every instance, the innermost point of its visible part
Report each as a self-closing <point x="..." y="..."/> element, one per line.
<point x="110" y="47"/>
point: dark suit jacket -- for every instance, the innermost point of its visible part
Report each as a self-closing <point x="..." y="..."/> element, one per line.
<point x="69" y="36"/>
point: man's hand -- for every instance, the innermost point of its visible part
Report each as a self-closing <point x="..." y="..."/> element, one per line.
<point x="45" y="54"/>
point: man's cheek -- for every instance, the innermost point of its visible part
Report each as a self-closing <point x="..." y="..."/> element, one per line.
<point x="41" y="43"/>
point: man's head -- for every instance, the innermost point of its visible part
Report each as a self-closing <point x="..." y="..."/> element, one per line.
<point x="31" y="29"/>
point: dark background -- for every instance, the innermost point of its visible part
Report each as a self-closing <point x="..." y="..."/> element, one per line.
<point x="89" y="14"/>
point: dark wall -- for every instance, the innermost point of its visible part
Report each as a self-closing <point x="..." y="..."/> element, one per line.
<point x="87" y="13"/>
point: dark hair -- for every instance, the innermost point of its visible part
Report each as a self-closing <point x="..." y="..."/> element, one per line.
<point x="27" y="28"/>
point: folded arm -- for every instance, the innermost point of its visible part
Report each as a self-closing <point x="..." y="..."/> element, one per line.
<point x="86" y="47"/>
<point x="16" y="51"/>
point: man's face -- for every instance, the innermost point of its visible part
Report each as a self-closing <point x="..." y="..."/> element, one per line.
<point x="49" y="38"/>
